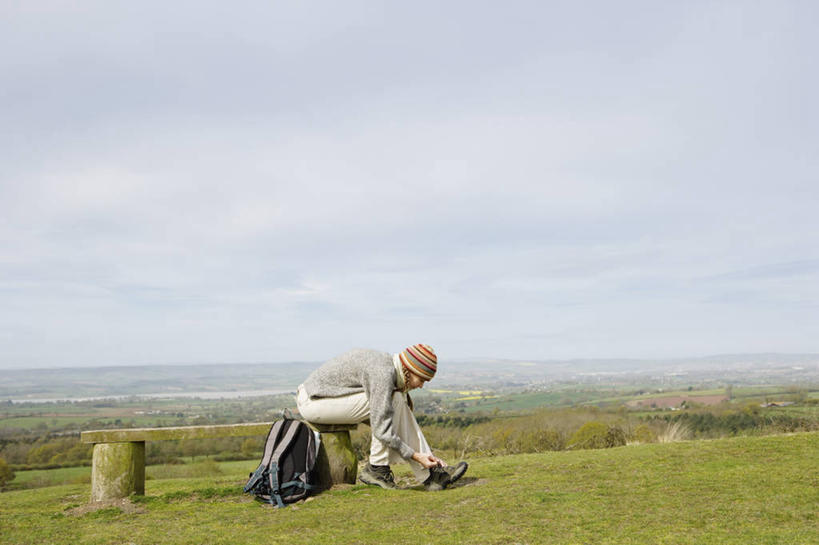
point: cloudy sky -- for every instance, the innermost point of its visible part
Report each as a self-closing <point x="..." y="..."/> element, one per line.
<point x="186" y="182"/>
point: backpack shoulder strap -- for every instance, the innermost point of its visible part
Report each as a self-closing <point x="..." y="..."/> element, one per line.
<point x="270" y="442"/>
<point x="275" y="460"/>
<point x="272" y="436"/>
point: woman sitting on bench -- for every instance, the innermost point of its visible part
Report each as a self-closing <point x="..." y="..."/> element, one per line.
<point x="362" y="385"/>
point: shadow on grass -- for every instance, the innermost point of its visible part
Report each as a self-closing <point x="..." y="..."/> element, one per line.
<point x="463" y="481"/>
<point x="467" y="481"/>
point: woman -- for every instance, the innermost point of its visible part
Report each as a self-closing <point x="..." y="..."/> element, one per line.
<point x="362" y="385"/>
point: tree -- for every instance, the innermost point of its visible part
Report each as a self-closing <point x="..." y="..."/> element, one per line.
<point x="6" y="474"/>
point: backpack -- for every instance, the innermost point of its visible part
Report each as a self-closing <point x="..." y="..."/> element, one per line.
<point x="287" y="472"/>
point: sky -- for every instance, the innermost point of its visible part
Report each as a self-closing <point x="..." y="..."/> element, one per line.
<point x="212" y="182"/>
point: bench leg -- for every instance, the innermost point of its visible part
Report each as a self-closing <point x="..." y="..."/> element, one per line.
<point x="118" y="470"/>
<point x="336" y="462"/>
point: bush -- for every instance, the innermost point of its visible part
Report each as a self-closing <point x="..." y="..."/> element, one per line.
<point x="539" y="441"/>
<point x="6" y="474"/>
<point x="597" y="435"/>
<point x="615" y="437"/>
<point x="252" y="447"/>
<point x="590" y="435"/>
<point x="643" y="434"/>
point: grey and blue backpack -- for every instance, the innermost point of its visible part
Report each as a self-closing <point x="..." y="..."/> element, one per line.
<point x="287" y="472"/>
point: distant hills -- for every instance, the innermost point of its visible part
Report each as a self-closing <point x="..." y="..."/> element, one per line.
<point x="803" y="367"/>
<point x="83" y="382"/>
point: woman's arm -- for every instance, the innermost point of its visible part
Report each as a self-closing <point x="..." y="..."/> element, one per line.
<point x="379" y="387"/>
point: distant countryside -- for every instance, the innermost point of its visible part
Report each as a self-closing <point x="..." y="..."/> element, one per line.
<point x="559" y="452"/>
<point x="536" y="407"/>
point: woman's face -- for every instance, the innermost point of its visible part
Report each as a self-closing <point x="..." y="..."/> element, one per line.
<point x="415" y="381"/>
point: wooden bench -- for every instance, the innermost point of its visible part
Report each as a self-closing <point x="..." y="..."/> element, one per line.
<point x="118" y="465"/>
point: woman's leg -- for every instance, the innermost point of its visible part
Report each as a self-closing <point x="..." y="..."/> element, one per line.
<point x="355" y="408"/>
<point x="407" y="428"/>
<point x="350" y="409"/>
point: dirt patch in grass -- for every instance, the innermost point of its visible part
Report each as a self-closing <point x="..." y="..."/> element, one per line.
<point x="342" y="486"/>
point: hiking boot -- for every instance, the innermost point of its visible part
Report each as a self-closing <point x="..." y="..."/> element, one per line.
<point x="455" y="472"/>
<point x="441" y="477"/>
<point x="378" y="475"/>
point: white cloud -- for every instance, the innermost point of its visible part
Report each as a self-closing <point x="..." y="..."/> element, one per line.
<point x="183" y="186"/>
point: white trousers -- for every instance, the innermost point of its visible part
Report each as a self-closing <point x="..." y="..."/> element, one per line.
<point x="354" y="409"/>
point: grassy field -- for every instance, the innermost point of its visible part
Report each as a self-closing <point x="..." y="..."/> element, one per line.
<point x="31" y="422"/>
<point x="528" y="400"/>
<point x="49" y="477"/>
<point x="741" y="490"/>
<point x="82" y="475"/>
<point x="38" y="478"/>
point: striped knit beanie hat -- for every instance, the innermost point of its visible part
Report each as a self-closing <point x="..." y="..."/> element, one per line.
<point x="421" y="360"/>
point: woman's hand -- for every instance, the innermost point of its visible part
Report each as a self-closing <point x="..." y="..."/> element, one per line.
<point x="427" y="460"/>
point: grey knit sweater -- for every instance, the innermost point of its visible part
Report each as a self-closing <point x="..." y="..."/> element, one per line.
<point x="368" y="371"/>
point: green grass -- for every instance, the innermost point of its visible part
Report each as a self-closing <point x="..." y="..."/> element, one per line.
<point x="51" y="477"/>
<point x="38" y="478"/>
<point x="760" y="490"/>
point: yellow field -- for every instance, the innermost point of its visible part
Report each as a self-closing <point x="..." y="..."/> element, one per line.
<point x="460" y="392"/>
